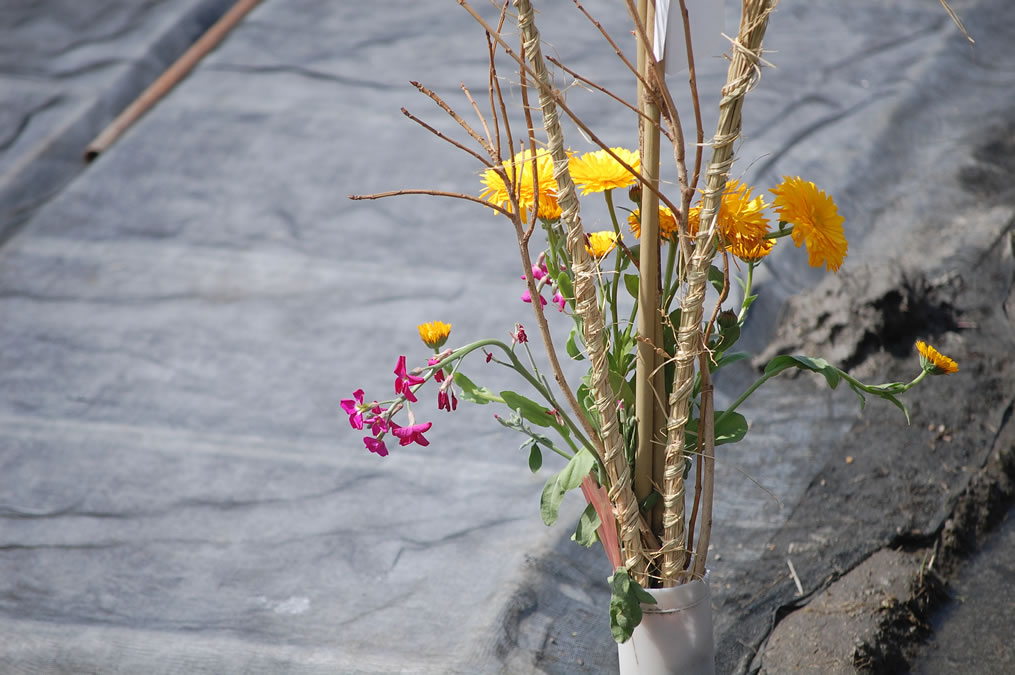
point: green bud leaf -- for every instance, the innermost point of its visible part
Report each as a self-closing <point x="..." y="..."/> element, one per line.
<point x="570" y="477"/>
<point x="586" y="533"/>
<point x="717" y="278"/>
<point x="529" y="409"/>
<point x="535" y="458"/>
<point x="572" y="346"/>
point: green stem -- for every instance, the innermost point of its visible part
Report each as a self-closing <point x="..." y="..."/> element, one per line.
<point x="742" y="316"/>
<point x="671" y="258"/>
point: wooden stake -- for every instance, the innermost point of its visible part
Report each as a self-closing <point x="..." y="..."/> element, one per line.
<point x="165" y="83"/>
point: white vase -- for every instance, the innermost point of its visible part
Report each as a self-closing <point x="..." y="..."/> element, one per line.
<point x="675" y="635"/>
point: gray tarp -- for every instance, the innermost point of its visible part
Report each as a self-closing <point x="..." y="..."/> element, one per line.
<point x="178" y="489"/>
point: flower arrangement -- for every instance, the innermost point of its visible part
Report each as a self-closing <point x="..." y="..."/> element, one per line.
<point x="639" y="430"/>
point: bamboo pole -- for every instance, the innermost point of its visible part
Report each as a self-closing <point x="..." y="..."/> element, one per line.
<point x="587" y="305"/>
<point x="649" y="463"/>
<point x="169" y="79"/>
<point x="739" y="79"/>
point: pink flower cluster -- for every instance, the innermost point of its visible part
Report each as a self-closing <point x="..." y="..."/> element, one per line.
<point x="379" y="420"/>
<point x="539" y="273"/>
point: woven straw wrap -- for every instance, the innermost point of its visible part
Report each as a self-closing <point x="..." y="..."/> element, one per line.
<point x="622" y="497"/>
<point x="741" y="76"/>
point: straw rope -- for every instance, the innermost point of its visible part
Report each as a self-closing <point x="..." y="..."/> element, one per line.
<point x="587" y="306"/>
<point x="741" y="76"/>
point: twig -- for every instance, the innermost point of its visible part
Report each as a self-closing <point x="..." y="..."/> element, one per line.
<point x="484" y="160"/>
<point x="435" y="193"/>
<point x="475" y="107"/>
<point x="604" y="90"/>
<point x="613" y="44"/>
<point x="554" y="95"/>
<point x="693" y="85"/>
<point x="458" y="118"/>
<point x="796" y="579"/>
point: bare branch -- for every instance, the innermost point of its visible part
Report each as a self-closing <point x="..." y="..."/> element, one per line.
<point x="434" y="193"/>
<point x="458" y="118"/>
<point x="441" y="136"/>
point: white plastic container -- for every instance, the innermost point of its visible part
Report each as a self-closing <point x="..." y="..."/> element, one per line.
<point x="675" y="635"/>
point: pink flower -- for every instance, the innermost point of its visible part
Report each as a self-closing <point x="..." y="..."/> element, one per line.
<point x="404" y="381"/>
<point x="559" y="299"/>
<point x="538" y="271"/>
<point x="519" y="335"/>
<point x="376" y="445"/>
<point x="445" y="402"/>
<point x="412" y="433"/>
<point x="354" y="408"/>
<point x="527" y="297"/>
<point x="377" y="423"/>
<point x="439" y="375"/>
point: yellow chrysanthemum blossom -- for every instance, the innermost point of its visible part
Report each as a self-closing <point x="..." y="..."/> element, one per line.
<point x="598" y="171"/>
<point x="742" y="222"/>
<point x="497" y="192"/>
<point x="933" y="361"/>
<point x="601" y="243"/>
<point x="815" y="219"/>
<point x="667" y="223"/>
<point x="434" y="334"/>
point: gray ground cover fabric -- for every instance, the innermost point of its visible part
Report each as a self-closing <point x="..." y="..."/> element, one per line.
<point x="180" y="492"/>
<point x="67" y="68"/>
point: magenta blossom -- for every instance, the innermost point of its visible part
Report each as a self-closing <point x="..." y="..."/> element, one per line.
<point x="445" y="402"/>
<point x="538" y="271"/>
<point x="378" y="424"/>
<point x="527" y="297"/>
<point x="376" y="445"/>
<point x="438" y="376"/>
<point x="354" y="408"/>
<point x="559" y="299"/>
<point x="412" y="433"/>
<point x="404" y="381"/>
<point x="519" y="335"/>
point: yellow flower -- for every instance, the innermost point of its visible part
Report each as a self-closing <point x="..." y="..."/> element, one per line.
<point x="601" y="243"/>
<point x="497" y="192"/>
<point x="933" y="361"/>
<point x="667" y="223"/>
<point x="742" y="222"/>
<point x="434" y="334"/>
<point x="815" y="219"/>
<point x="598" y="171"/>
<point x="751" y="250"/>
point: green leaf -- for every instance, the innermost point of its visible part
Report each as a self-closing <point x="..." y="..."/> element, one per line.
<point x="473" y="393"/>
<point x="717" y="278"/>
<point x="622" y="389"/>
<point x="781" y="363"/>
<point x="570" y="477"/>
<point x="631" y="284"/>
<point x="529" y="409"/>
<point x="586" y="534"/>
<point x="626" y="598"/>
<point x="572" y="346"/>
<point x="727" y="359"/>
<point x="731" y="429"/>
<point x="563" y="281"/>
<point x="535" y="458"/>
<point x="649" y="502"/>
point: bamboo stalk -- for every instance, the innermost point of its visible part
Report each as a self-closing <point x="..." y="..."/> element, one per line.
<point x="648" y="464"/>
<point x="586" y="304"/>
<point x="169" y="79"/>
<point x="739" y="79"/>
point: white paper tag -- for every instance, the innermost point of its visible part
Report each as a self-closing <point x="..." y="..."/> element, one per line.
<point x="707" y="23"/>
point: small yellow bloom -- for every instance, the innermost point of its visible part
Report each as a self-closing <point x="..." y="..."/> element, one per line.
<point x="933" y="361"/>
<point x="434" y="334"/>
<point x="497" y="192"/>
<point x="598" y="171"/>
<point x="667" y="223"/>
<point x="601" y="243"/>
<point x="815" y="219"/>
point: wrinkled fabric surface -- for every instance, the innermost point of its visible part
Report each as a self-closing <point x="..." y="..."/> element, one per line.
<point x="181" y="493"/>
